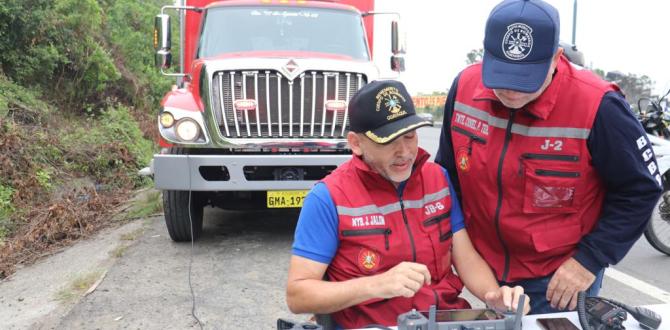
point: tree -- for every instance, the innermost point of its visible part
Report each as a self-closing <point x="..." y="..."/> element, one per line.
<point x="633" y="86"/>
<point x="474" y="56"/>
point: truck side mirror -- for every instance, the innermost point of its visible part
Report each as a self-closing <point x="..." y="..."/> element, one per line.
<point x="398" y="63"/>
<point x="162" y="41"/>
<point x="397" y="48"/>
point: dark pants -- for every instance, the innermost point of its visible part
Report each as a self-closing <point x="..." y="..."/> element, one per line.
<point x="536" y="289"/>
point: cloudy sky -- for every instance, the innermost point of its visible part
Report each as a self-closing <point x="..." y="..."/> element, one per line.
<point x="628" y="36"/>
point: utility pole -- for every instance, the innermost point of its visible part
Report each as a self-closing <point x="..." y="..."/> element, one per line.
<point x="574" y="22"/>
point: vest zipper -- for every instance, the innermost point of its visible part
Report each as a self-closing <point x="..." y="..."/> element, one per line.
<point x="567" y="158"/>
<point x="560" y="174"/>
<point x="563" y="158"/>
<point x="409" y="231"/>
<point x="473" y="138"/>
<point x="366" y="232"/>
<point x="437" y="219"/>
<point x="508" y="137"/>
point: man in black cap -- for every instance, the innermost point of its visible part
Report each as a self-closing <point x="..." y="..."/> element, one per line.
<point x="384" y="227"/>
<point x="556" y="176"/>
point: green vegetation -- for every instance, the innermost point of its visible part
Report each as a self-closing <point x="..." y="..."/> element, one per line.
<point x="6" y="209"/>
<point x="78" y="99"/>
<point x="119" y="251"/>
<point x="78" y="286"/>
<point x="151" y="203"/>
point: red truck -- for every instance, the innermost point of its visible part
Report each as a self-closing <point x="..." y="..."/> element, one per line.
<point x="259" y="112"/>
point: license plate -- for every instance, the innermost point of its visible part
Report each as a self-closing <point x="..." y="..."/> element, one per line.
<point x="286" y="198"/>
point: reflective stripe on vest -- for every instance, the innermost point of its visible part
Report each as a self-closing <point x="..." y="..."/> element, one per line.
<point x="393" y="207"/>
<point x="547" y="132"/>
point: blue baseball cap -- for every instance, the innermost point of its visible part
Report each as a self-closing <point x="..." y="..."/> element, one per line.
<point x="520" y="41"/>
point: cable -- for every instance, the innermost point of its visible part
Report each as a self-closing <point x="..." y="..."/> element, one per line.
<point x="190" y="262"/>
<point x="581" y="310"/>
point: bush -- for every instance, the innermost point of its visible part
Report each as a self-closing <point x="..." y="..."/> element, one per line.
<point x="61" y="40"/>
<point x="129" y="29"/>
<point x="110" y="148"/>
<point x="85" y="47"/>
<point x="20" y="103"/>
<point x="6" y="210"/>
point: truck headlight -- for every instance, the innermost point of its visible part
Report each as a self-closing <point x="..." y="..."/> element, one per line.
<point x="166" y="119"/>
<point x="187" y="129"/>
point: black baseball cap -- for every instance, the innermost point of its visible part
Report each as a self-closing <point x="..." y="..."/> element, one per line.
<point x="383" y="110"/>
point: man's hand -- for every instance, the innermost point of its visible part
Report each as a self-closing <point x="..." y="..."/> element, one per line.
<point x="405" y="279"/>
<point x="567" y="281"/>
<point x="507" y="299"/>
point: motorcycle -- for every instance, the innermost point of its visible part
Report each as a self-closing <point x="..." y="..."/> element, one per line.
<point x="656" y="123"/>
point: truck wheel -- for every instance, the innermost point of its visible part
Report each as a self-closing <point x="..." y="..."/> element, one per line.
<point x="178" y="217"/>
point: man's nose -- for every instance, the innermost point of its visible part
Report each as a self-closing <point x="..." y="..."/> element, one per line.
<point x="403" y="146"/>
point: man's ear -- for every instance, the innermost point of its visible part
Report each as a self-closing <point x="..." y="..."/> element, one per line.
<point x="354" y="143"/>
<point x="557" y="56"/>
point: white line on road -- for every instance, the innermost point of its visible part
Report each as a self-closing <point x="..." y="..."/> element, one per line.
<point x="638" y="285"/>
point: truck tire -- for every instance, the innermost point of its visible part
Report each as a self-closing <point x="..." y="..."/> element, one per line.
<point x="178" y="214"/>
<point x="179" y="217"/>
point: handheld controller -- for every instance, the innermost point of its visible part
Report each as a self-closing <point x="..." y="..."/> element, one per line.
<point x="291" y="325"/>
<point x="461" y="319"/>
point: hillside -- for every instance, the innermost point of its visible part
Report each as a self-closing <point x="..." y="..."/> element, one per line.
<point x="78" y="99"/>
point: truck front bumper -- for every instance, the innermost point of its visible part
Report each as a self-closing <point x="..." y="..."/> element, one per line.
<point x="184" y="172"/>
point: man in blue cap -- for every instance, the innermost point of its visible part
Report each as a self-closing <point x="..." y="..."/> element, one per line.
<point x="556" y="176"/>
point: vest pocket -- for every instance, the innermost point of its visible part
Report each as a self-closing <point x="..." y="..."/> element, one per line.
<point x="552" y="183"/>
<point x="438" y="230"/>
<point x="437" y="220"/>
<point x="369" y="232"/>
<point x="558" y="240"/>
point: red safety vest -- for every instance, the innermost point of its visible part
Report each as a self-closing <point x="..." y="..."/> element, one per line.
<point x="529" y="190"/>
<point x="378" y="230"/>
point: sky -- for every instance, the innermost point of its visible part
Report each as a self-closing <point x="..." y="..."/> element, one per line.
<point x="614" y="35"/>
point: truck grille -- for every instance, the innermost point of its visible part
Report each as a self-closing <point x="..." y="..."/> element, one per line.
<point x="284" y="108"/>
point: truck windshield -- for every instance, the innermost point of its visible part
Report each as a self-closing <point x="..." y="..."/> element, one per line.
<point x="242" y="29"/>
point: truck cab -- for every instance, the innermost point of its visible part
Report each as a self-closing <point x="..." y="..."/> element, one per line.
<point x="260" y="112"/>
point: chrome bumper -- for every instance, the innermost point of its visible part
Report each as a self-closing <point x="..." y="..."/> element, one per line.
<point x="182" y="172"/>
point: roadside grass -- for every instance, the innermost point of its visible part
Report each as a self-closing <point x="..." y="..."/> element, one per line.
<point x="78" y="286"/>
<point x="150" y="204"/>
<point x="133" y="235"/>
<point x="119" y="251"/>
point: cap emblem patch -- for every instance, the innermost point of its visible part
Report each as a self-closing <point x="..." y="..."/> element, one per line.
<point x="391" y="101"/>
<point x="518" y="41"/>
